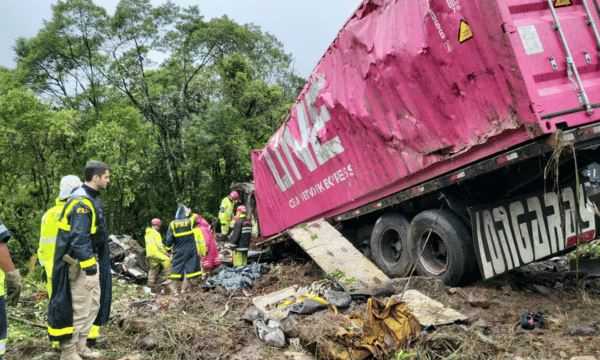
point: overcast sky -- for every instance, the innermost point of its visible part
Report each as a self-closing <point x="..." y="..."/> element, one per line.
<point x="305" y="27"/>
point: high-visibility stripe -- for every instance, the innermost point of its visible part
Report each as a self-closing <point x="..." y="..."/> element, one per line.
<point x="88" y="263"/>
<point x="94" y="332"/>
<point x="175" y="276"/>
<point x="47" y="240"/>
<point x="60" y="332"/>
<point x="177" y="235"/>
<point x="64" y="225"/>
<point x="194" y="274"/>
<point x="246" y="231"/>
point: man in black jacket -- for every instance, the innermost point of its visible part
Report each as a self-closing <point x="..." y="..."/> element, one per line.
<point x="81" y="279"/>
<point x="240" y="237"/>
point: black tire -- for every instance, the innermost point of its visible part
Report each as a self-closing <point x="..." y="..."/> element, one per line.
<point x="389" y="245"/>
<point x="442" y="247"/>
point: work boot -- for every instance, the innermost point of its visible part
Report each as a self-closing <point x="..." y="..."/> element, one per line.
<point x="86" y="353"/>
<point x="185" y="286"/>
<point x="173" y="288"/>
<point x="69" y="352"/>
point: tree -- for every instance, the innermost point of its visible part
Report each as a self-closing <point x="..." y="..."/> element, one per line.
<point x="172" y="101"/>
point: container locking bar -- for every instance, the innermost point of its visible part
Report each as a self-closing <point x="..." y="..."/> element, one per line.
<point x="592" y="23"/>
<point x="571" y="66"/>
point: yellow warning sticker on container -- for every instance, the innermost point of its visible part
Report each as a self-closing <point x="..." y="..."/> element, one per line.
<point x="464" y="32"/>
<point x="559" y="3"/>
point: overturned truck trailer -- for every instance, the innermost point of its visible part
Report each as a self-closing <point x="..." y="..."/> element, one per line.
<point x="456" y="136"/>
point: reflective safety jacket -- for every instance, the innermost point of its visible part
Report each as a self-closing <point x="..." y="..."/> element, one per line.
<point x="182" y="236"/>
<point x="242" y="234"/>
<point x="83" y="236"/>
<point x="226" y="214"/>
<point x="47" y="244"/>
<point x="155" y="249"/>
<point x="200" y="242"/>
<point x="5" y="235"/>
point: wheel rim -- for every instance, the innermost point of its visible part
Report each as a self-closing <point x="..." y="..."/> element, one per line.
<point x="434" y="253"/>
<point x="391" y="245"/>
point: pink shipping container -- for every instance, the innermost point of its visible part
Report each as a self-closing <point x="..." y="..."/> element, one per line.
<point x="414" y="89"/>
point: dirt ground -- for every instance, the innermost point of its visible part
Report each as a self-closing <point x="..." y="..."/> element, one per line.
<point x="206" y="324"/>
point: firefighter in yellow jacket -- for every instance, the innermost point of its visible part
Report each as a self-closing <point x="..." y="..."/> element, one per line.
<point x="159" y="262"/>
<point x="226" y="211"/>
<point x="240" y="237"/>
<point x="49" y="228"/>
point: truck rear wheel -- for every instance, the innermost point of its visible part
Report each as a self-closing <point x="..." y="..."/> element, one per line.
<point x="389" y="245"/>
<point x="442" y="247"/>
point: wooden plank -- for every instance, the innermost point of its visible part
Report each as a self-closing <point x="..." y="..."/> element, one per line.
<point x="337" y="256"/>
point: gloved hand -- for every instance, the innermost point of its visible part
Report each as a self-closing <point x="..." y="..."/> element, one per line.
<point x="13" y="286"/>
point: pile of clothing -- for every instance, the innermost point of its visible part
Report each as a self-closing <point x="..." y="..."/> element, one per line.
<point x="237" y="278"/>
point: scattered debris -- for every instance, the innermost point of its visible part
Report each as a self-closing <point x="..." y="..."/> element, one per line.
<point x="266" y="304"/>
<point x="583" y="330"/>
<point x="157" y="326"/>
<point x="530" y="320"/>
<point x="383" y="329"/>
<point x="478" y="300"/>
<point x="324" y="244"/>
<point x="429" y="312"/>
<point x="128" y="258"/>
<point x="251" y="314"/>
<point x="236" y="278"/>
<point x="270" y="332"/>
<point x="339" y="299"/>
<point x="306" y="304"/>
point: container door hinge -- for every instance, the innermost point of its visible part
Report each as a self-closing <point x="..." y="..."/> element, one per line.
<point x="536" y="108"/>
<point x="509" y="28"/>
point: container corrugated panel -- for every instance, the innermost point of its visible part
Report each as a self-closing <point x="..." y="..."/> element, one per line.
<point x="412" y="89"/>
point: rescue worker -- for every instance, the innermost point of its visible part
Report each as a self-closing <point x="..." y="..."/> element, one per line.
<point x="159" y="262"/>
<point x="199" y="237"/>
<point x="186" y="262"/>
<point x="81" y="278"/>
<point x="226" y="212"/>
<point x="49" y="228"/>
<point x="240" y="237"/>
<point x="211" y="260"/>
<point x="12" y="276"/>
<point x="49" y="231"/>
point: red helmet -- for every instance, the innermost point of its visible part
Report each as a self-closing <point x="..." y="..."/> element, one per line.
<point x="156" y="222"/>
<point x="241" y="209"/>
<point x="234" y="195"/>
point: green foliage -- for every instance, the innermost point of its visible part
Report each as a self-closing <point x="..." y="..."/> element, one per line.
<point x="174" y="127"/>
<point x="404" y="355"/>
<point x="587" y="251"/>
